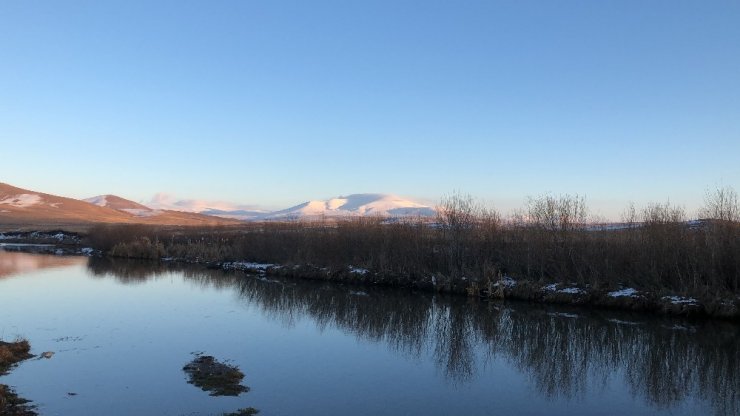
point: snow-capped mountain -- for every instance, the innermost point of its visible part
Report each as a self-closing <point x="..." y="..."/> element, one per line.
<point x="29" y="208"/>
<point x="381" y="205"/>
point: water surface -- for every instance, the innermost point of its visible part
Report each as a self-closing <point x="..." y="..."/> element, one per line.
<point x="122" y="331"/>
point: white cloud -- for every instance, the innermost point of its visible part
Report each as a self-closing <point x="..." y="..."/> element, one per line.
<point x="164" y="200"/>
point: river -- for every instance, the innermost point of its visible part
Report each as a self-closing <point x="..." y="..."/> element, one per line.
<point x="121" y="332"/>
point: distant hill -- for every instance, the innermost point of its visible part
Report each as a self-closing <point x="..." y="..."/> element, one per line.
<point x="25" y="209"/>
<point x="148" y="215"/>
<point x="22" y="208"/>
<point x="117" y="203"/>
<point x="381" y="205"/>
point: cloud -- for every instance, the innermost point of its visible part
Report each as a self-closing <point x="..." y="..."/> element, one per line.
<point x="164" y="200"/>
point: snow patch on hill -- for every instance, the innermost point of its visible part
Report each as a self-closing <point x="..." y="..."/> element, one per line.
<point x="22" y="200"/>
<point x="100" y="200"/>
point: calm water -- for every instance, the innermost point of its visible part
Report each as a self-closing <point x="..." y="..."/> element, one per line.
<point x="122" y="331"/>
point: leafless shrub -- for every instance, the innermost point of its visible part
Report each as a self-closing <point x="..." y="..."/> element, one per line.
<point x="721" y="204"/>
<point x="563" y="212"/>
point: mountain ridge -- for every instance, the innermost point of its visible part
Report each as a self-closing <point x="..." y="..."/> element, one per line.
<point x="23" y="208"/>
<point x="20" y="206"/>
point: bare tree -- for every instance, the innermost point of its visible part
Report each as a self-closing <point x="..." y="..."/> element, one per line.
<point x="721" y="204"/>
<point x="563" y="212"/>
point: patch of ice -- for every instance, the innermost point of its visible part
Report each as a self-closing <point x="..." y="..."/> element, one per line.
<point x="358" y="270"/>
<point x="358" y="293"/>
<point x="550" y="288"/>
<point x="21" y="200"/>
<point x="628" y="292"/>
<point x="678" y="300"/>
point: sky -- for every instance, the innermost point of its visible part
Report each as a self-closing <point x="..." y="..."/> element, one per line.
<point x="273" y="103"/>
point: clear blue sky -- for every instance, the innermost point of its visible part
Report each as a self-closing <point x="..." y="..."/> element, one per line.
<point x="277" y="102"/>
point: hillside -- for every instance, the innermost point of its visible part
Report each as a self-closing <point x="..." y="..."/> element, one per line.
<point x="118" y="203"/>
<point x="25" y="209"/>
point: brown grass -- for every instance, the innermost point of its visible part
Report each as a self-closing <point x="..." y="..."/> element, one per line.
<point x="12" y="353"/>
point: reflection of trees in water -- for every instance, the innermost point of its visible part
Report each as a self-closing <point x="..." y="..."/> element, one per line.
<point x="662" y="360"/>
<point x="125" y="271"/>
<point x="128" y="271"/>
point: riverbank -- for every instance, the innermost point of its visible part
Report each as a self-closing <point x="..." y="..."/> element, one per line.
<point x="518" y="264"/>
<point x="12" y="353"/>
<point x="506" y="287"/>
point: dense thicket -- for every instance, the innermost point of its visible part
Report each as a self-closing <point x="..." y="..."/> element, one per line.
<point x="550" y="240"/>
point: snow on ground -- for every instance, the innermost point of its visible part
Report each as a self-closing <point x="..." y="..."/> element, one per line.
<point x="628" y="292"/>
<point x="678" y="300"/>
<point x="569" y="290"/>
<point x="246" y="265"/>
<point x="21" y="200"/>
<point x="358" y="270"/>
<point x="506" y="281"/>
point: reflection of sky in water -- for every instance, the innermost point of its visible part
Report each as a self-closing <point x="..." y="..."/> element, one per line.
<point x="316" y="349"/>
<point x="15" y="263"/>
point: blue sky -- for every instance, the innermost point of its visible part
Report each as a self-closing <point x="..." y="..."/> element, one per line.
<point x="277" y="102"/>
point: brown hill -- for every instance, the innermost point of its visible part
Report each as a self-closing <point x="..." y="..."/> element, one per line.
<point x="117" y="203"/>
<point x="24" y="209"/>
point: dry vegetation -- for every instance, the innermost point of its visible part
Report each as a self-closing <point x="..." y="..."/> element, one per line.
<point x="469" y="248"/>
<point x="12" y="353"/>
